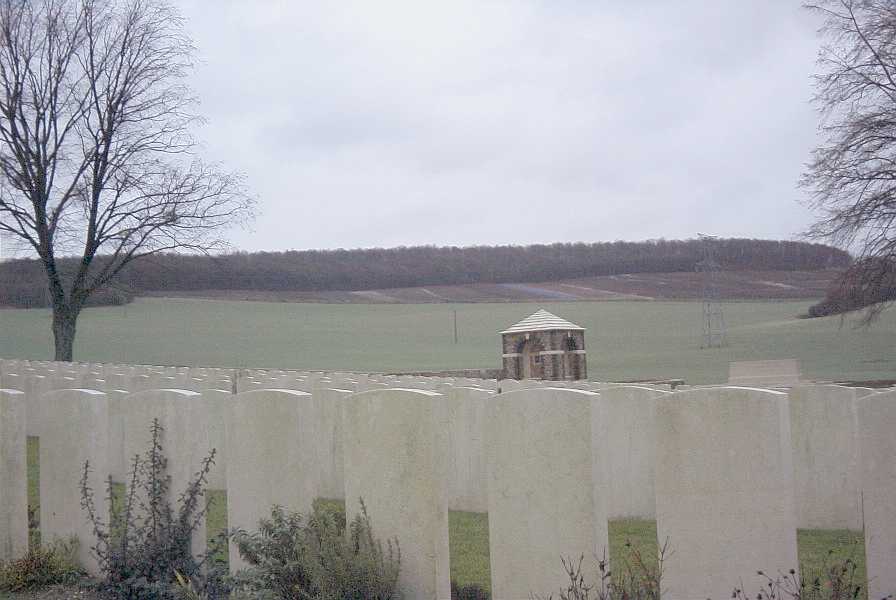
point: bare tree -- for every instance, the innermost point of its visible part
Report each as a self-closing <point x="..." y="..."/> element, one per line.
<point x="852" y="175"/>
<point x="96" y="155"/>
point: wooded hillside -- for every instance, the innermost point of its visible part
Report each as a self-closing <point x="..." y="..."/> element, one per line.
<point x="22" y="284"/>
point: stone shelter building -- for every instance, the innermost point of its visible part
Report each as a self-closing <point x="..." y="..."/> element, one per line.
<point x="544" y="346"/>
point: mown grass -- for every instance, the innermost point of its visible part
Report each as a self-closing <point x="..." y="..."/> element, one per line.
<point x="628" y="537"/>
<point x="625" y="340"/>
<point x="216" y="524"/>
<point x="820" y="549"/>
<point x="468" y="546"/>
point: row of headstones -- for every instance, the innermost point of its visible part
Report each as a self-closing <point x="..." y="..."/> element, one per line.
<point x="37" y="378"/>
<point x="824" y="442"/>
<point x="467" y="490"/>
<point x="134" y="378"/>
<point x="47" y="376"/>
<point x="718" y="467"/>
<point x="724" y="484"/>
<point x="196" y="422"/>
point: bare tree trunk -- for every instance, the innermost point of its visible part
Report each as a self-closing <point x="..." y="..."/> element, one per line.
<point x="64" y="322"/>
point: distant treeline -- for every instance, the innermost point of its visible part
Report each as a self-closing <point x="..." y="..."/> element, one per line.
<point x="22" y="281"/>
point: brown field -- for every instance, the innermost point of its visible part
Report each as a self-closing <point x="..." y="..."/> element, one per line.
<point x="733" y="285"/>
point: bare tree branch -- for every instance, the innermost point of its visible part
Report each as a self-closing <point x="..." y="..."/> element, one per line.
<point x="852" y="175"/>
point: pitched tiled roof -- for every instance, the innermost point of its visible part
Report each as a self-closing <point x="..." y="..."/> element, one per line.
<point x="542" y="321"/>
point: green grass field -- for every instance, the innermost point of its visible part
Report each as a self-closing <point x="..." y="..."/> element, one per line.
<point x="625" y="340"/>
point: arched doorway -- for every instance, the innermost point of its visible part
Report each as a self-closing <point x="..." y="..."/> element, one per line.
<point x="531" y="366"/>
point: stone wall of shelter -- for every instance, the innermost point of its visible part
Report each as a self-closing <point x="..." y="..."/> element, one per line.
<point x="552" y="355"/>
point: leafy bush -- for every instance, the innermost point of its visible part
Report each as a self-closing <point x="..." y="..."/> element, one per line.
<point x="334" y="508"/>
<point x="51" y="564"/>
<point x="291" y="557"/>
<point x="147" y="544"/>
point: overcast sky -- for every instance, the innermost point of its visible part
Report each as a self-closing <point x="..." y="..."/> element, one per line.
<point x="365" y="124"/>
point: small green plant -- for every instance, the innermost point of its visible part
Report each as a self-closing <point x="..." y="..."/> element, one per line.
<point x="44" y="565"/>
<point x="146" y="548"/>
<point x="293" y="558"/>
<point x="635" y="580"/>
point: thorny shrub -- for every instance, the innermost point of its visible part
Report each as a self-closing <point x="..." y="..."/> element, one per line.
<point x="146" y="545"/>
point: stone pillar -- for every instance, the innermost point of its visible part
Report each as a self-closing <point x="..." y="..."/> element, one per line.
<point x="547" y="494"/>
<point x="724" y="490"/>
<point x="395" y="444"/>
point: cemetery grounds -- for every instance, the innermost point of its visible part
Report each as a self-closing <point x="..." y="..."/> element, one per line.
<point x="626" y="340"/>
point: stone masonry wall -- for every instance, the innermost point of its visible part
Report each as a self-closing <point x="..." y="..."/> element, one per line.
<point x="555" y="357"/>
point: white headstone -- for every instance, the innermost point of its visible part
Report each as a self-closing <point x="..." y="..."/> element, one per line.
<point x="877" y="448"/>
<point x="184" y="438"/>
<point x="265" y="465"/>
<point x="724" y="490"/>
<point x="631" y="442"/>
<point x="547" y="492"/>
<point x="13" y="476"/>
<point x="823" y="424"/>
<point x="764" y="373"/>
<point x="395" y="445"/>
<point x="74" y="431"/>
